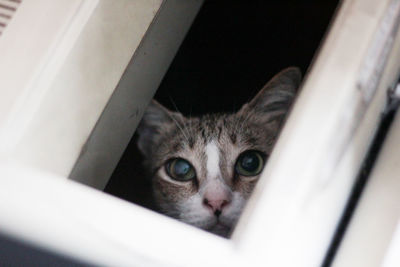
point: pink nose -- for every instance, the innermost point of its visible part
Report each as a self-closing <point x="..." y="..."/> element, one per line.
<point x="216" y="203"/>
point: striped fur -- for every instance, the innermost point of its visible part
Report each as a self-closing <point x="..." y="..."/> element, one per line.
<point x="212" y="144"/>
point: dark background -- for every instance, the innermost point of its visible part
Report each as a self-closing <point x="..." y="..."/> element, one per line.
<point x="232" y="49"/>
<point x="235" y="46"/>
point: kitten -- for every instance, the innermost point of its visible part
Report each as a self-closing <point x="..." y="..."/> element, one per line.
<point x="205" y="168"/>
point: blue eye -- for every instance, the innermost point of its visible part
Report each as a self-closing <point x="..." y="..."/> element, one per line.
<point x="250" y="163"/>
<point x="180" y="170"/>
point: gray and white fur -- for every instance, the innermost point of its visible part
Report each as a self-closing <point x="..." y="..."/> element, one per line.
<point x="214" y="198"/>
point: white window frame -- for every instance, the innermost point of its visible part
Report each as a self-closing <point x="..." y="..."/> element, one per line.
<point x="293" y="213"/>
<point x="373" y="235"/>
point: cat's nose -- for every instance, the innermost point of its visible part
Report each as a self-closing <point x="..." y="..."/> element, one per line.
<point x="216" y="204"/>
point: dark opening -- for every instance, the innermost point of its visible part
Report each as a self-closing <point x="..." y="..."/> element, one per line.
<point x="232" y="49"/>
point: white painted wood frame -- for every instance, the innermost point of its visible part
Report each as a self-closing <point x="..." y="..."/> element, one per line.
<point x="372" y="238"/>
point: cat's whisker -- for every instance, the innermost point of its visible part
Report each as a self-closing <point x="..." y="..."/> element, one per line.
<point x="187" y="135"/>
<point x="189" y="127"/>
<point x="191" y="130"/>
<point x="181" y="129"/>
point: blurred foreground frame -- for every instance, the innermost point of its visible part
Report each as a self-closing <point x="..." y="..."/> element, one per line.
<point x="63" y="132"/>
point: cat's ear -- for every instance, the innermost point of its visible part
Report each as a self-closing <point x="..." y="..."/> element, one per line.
<point x="156" y="119"/>
<point x="272" y="103"/>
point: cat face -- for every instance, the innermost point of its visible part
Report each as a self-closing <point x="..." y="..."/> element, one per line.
<point x="204" y="169"/>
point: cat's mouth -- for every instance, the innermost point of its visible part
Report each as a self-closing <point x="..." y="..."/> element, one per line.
<point x="221" y="229"/>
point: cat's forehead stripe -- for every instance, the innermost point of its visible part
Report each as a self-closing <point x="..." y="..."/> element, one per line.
<point x="212" y="160"/>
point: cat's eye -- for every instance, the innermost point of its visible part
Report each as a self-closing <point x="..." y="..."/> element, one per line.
<point x="250" y="163"/>
<point x="180" y="169"/>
